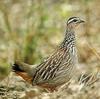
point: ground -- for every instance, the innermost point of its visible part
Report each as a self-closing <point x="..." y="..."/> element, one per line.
<point x="13" y="87"/>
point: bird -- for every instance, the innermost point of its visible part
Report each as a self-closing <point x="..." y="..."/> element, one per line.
<point x="58" y="68"/>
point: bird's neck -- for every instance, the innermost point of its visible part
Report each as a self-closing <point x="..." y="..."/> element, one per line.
<point x="69" y="39"/>
<point x="69" y="44"/>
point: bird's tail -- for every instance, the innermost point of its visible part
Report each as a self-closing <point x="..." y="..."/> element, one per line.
<point x="24" y="70"/>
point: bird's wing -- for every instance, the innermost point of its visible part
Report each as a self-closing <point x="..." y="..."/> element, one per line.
<point x="48" y="68"/>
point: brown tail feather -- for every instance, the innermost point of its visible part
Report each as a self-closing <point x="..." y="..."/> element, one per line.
<point x="25" y="76"/>
<point x="23" y="70"/>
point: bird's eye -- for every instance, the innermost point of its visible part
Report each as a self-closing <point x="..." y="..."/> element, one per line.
<point x="75" y="20"/>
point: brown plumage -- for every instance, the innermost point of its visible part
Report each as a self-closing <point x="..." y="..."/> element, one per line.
<point x="58" y="68"/>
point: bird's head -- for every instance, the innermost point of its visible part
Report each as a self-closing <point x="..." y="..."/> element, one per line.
<point x="74" y="22"/>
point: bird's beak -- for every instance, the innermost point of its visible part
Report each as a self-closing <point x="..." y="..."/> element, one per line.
<point x="81" y="21"/>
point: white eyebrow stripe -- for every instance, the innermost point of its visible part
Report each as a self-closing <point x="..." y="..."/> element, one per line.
<point x="71" y="20"/>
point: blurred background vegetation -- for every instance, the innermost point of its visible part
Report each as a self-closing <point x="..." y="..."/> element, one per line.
<point x="31" y="29"/>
